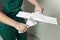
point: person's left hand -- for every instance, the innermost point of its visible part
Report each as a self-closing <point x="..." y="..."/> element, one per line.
<point x="38" y="8"/>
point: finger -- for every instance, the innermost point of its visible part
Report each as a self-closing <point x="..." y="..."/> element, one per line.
<point x="34" y="10"/>
<point x="24" y="30"/>
<point x="42" y="10"/>
<point x="27" y="26"/>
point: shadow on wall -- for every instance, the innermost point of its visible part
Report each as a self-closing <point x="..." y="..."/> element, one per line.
<point x="27" y="6"/>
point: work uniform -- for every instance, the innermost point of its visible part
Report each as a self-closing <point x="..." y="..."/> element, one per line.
<point x="11" y="8"/>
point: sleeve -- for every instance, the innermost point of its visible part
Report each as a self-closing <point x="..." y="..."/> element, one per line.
<point x="1" y="7"/>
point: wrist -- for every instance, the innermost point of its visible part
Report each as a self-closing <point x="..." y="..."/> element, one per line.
<point x="15" y="24"/>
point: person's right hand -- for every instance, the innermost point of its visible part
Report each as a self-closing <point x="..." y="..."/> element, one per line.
<point x="21" y="27"/>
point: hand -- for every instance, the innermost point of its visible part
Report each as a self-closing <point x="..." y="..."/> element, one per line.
<point x="21" y="27"/>
<point x="38" y="8"/>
